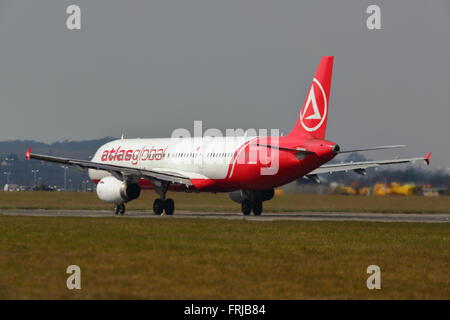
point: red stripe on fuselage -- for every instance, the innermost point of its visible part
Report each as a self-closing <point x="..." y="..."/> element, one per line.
<point x="235" y="156"/>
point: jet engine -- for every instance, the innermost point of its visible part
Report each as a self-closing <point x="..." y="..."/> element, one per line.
<point x="110" y="189"/>
<point x="263" y="195"/>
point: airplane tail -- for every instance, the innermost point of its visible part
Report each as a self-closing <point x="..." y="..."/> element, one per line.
<point x="312" y="120"/>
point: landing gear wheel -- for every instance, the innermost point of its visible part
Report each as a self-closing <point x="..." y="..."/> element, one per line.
<point x="246" y="207"/>
<point x="158" y="206"/>
<point x="169" y="206"/>
<point x="120" y="209"/>
<point x="257" y="208"/>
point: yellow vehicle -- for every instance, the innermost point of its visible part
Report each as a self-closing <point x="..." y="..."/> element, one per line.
<point x="403" y="189"/>
<point x="346" y="190"/>
<point x="395" y="188"/>
<point x="365" y="191"/>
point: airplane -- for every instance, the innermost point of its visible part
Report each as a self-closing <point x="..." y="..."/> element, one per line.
<point x="123" y="167"/>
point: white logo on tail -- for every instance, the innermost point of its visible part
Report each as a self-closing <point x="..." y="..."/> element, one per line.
<point x="316" y="115"/>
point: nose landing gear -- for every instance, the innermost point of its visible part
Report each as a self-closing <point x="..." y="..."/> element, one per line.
<point x="119" y="209"/>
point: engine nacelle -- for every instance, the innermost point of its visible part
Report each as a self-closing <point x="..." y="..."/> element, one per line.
<point x="109" y="189"/>
<point x="263" y="195"/>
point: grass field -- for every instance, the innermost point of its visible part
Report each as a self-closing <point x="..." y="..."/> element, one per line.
<point x="221" y="202"/>
<point x="169" y="258"/>
<point x="166" y="258"/>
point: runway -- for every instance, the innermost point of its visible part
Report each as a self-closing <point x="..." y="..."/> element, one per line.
<point x="269" y="216"/>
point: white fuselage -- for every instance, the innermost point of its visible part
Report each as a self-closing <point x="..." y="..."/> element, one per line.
<point x="197" y="158"/>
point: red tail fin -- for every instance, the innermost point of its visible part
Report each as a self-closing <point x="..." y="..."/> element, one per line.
<point x="312" y="121"/>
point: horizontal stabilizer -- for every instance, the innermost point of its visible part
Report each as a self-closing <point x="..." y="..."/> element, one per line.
<point x="374" y="148"/>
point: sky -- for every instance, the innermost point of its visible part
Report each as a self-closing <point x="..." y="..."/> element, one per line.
<point x="149" y="67"/>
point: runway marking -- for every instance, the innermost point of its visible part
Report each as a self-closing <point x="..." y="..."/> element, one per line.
<point x="269" y="216"/>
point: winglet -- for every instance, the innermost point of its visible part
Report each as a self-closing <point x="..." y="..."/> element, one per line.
<point x="427" y="158"/>
<point x="28" y="153"/>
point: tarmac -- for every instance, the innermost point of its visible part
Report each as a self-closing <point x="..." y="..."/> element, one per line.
<point x="266" y="216"/>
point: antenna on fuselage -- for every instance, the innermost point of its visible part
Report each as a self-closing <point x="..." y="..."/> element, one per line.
<point x="124" y="132"/>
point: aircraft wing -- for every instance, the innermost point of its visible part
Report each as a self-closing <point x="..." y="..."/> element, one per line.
<point x="360" y="167"/>
<point x="117" y="171"/>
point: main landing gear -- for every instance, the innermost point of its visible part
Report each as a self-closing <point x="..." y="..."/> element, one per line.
<point x="119" y="209"/>
<point x="248" y="206"/>
<point x="251" y="200"/>
<point x="162" y="204"/>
